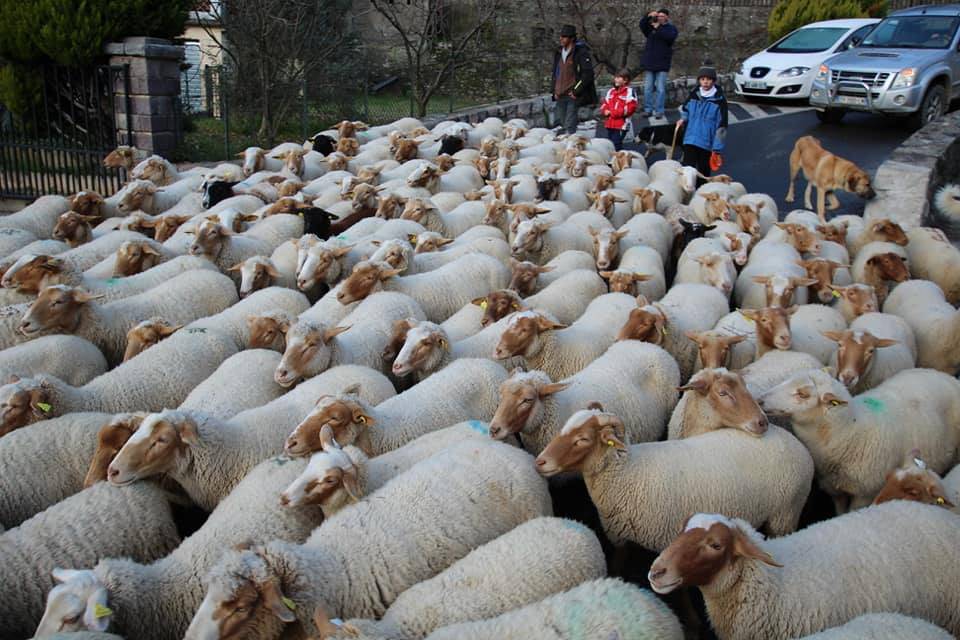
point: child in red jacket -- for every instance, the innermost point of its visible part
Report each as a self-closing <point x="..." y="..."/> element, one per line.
<point x="618" y="105"/>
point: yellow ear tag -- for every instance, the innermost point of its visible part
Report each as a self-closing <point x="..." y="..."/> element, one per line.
<point x="443" y="343"/>
<point x="940" y="500"/>
<point x="483" y="305"/>
<point x="835" y="403"/>
<point x="515" y="306"/>
<point x="43" y="406"/>
<point x="609" y="443"/>
<point x="663" y="330"/>
<point x="290" y="604"/>
<point x="836" y="294"/>
<point x="100" y="611"/>
<point x="412" y="238"/>
<point x="362" y="420"/>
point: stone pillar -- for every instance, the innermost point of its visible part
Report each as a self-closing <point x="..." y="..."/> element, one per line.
<point x="154" y="87"/>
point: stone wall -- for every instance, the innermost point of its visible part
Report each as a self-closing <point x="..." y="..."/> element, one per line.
<point x="150" y="109"/>
<point x="907" y="181"/>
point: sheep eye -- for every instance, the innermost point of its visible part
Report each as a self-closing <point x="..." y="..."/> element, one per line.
<point x="715" y="546"/>
<point x="723" y="393"/>
<point x="73" y="619"/>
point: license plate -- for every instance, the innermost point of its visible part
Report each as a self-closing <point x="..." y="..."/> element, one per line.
<point x="755" y="84"/>
<point x="851" y="100"/>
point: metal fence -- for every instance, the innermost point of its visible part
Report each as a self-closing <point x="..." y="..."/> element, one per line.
<point x="58" y="145"/>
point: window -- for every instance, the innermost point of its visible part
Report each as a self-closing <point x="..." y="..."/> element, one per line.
<point x="913" y="32"/>
<point x="809" y="40"/>
<point x="855" y="38"/>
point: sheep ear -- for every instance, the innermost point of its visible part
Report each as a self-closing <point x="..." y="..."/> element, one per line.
<point x="836" y="336"/>
<point x="187" y="431"/>
<point x="351" y="486"/>
<point x="168" y="331"/>
<point x="886" y="342"/>
<point x="83" y="296"/>
<point x="552" y="388"/>
<point x="606" y="275"/>
<point x="832" y="399"/>
<point x="278" y="604"/>
<point x="389" y="273"/>
<point x="746" y="548"/>
<point x="235" y="267"/>
<point x="271" y="270"/>
<point x="327" y="441"/>
<point x="333" y="332"/>
<point x="96" y="615"/>
<point x="147" y="248"/>
<point x="700" y="383"/>
<point x="693" y="336"/>
<point x="479" y="301"/>
<point x="545" y="324"/>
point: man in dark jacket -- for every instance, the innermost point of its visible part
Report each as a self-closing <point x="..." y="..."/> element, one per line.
<point x="573" y="83"/>
<point x="657" y="58"/>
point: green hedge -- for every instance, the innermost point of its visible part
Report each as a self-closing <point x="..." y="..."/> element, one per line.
<point x="788" y="15"/>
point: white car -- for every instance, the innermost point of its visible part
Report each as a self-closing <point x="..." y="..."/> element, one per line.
<point x="786" y="68"/>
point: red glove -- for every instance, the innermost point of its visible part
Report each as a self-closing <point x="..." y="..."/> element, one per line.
<point x="716" y="161"/>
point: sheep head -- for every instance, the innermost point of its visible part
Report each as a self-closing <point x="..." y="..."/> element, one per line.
<point x="731" y="404"/>
<point x="522" y="335"/>
<point x="834" y="232"/>
<point x="523" y="278"/>
<point x="155" y="169"/>
<point x="330" y="480"/>
<point x="390" y="206"/>
<point x="708" y="544"/>
<point x="30" y="273"/>
<point x="209" y="239"/>
<point x="146" y="334"/>
<point x="773" y="327"/>
<point x="419" y="210"/>
<point x="57" y="307"/>
<point x="624" y="281"/>
<point x="367" y="277"/>
<point x="24" y="401"/>
<point x="856" y="299"/>
<point x="779" y="289"/>
<point x="254" y="159"/>
<point x="345" y="414"/>
<point x="521" y="402"/>
<point x="645" y="200"/>
<point x="123" y="157"/>
<point x="889" y="266"/>
<point x="256" y="272"/>
<point x="715" y="207"/>
<point x="423" y="346"/>
<point x="583" y="440"/>
<point x="78" y="602"/>
<point x="647" y="323"/>
<point x="529" y="238"/>
<point x="348" y="146"/>
<point x="268" y="331"/>
<point x="748" y="219"/>
<point x="156" y="447"/>
<point x="806" y="395"/>
<point x="138" y="194"/>
<point x="321" y="264"/>
<point x="87" y="203"/>
<point x="166" y="225"/>
<point x="135" y="256"/>
<point x="606" y="246"/>
<point x="800" y="237"/>
<point x="524" y="211"/>
<point x="714" y="347"/>
<point x="499" y="304"/>
<point x="915" y="481"/>
<point x="398" y="336"/>
<point x="855" y="351"/>
<point x="822" y="271"/>
<point x="110" y="439"/>
<point x="395" y="252"/>
<point x="307" y="353"/>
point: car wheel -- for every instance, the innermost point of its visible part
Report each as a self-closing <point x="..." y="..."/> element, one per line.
<point x="933" y="106"/>
<point x="831" y="116"/>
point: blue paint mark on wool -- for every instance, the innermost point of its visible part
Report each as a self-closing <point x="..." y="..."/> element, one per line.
<point x="479" y="427"/>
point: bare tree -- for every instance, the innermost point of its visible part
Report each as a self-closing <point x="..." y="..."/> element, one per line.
<point x="610" y="27"/>
<point x="273" y="45"/>
<point x="426" y="31"/>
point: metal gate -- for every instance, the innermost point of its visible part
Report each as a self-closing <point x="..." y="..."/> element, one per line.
<point x="59" y="145"/>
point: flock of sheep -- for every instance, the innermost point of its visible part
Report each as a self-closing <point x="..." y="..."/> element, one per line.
<point x="377" y="358"/>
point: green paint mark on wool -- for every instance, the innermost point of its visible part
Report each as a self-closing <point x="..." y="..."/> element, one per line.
<point x="111" y="281"/>
<point x="876" y="406"/>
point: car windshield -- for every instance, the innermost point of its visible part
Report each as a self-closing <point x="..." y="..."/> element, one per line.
<point x="809" y="40"/>
<point x="913" y="32"/>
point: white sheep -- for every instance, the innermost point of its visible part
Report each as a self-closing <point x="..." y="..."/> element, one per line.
<point x="70" y="358"/>
<point x="562" y="351"/>
<point x="528" y="278"/>
<point x="640" y="272"/>
<point x="606" y="608"/>
<point x="210" y="465"/>
<point x="541" y="242"/>
<point x="772" y="277"/>
<point x="440" y="293"/>
<point x="494" y="247"/>
<point x="706" y="261"/>
<point x="182" y="299"/>
<point x="232" y="321"/>
<point x="313" y="347"/>
<point x="71" y="533"/>
<point x="882" y="625"/>
<point x="225" y="249"/>
<point x="875" y="347"/>
<point x="146" y="382"/>
<point x="856" y="440"/>
<point x="648" y="229"/>
<point x="632" y="379"/>
<point x="935" y="323"/>
<point x="14" y="239"/>
<point x="894" y="556"/>
<point x="807" y="326"/>
<point x="156" y="601"/>
<point x="495" y="578"/>
<point x="45" y="464"/>
<point x="687" y="308"/>
<point x="466" y="389"/>
<point x="242" y="382"/>
<point x="39" y="217"/>
<point x="643" y="492"/>
<point x="333" y="569"/>
<point x="933" y="258"/>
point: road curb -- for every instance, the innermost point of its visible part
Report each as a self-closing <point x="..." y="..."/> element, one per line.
<point x="907" y="180"/>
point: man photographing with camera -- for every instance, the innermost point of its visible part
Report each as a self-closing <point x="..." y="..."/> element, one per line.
<point x="657" y="58"/>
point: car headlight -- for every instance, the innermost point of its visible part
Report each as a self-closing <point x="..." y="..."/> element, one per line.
<point x="905" y="78"/>
<point x="823" y="73"/>
<point x="793" y="72"/>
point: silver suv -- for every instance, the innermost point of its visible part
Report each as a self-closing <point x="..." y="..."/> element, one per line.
<point x="908" y="65"/>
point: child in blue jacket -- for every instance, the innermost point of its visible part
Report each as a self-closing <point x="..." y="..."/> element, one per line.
<point x="705" y="116"/>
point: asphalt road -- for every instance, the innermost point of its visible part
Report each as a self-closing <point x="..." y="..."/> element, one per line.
<point x="758" y="150"/>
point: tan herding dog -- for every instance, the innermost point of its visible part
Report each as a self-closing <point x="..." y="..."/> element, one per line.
<point x="827" y="173"/>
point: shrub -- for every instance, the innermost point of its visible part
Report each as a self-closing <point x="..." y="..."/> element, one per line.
<point x="788" y="15"/>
